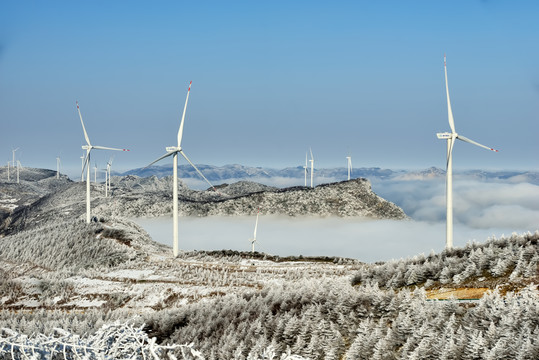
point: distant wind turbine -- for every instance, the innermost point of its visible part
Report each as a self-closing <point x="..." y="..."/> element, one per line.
<point x="173" y="151"/>
<point x="253" y="240"/>
<point x="88" y="147"/>
<point x="95" y="173"/>
<point x="107" y="176"/>
<point x="349" y="158"/>
<point x="451" y="137"/>
<point x="312" y="167"/>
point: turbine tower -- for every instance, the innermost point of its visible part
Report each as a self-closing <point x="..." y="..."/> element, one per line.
<point x="88" y="147"/>
<point x="451" y="137"/>
<point x="57" y="167"/>
<point x="349" y="158"/>
<point x="13" y="163"/>
<point x="305" y="169"/>
<point x="95" y="173"/>
<point x="173" y="151"/>
<point x="312" y="167"/>
<point x="253" y="240"/>
<point x="18" y="168"/>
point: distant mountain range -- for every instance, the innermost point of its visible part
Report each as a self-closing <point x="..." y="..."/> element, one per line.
<point x="235" y="172"/>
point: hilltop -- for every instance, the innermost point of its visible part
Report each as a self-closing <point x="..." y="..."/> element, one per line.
<point x="50" y="199"/>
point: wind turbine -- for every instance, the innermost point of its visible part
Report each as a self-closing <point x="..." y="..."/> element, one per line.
<point x="312" y="167"/>
<point x="349" y="158"/>
<point x="253" y="240"/>
<point x="88" y="147"/>
<point x="95" y="173"/>
<point x="107" y="176"/>
<point x="305" y="169"/>
<point x="173" y="151"/>
<point x="451" y="137"/>
<point x="57" y="167"/>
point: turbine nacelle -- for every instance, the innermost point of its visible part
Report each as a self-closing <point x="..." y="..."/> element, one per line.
<point x="445" y="135"/>
<point x="172" y="149"/>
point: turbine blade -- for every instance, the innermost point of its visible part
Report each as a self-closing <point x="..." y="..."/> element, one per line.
<point x="159" y="159"/>
<point x="108" y="148"/>
<point x="449" y="111"/>
<point x="180" y="131"/>
<point x="465" y="139"/>
<point x="198" y="171"/>
<point x="256" y="224"/>
<point x="450" y="152"/>
<point x="86" y="162"/>
<point x="83" y="128"/>
<point x="311" y="150"/>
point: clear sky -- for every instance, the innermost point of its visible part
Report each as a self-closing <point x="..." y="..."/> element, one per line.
<point x="270" y="79"/>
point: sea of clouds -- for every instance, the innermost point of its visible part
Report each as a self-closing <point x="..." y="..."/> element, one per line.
<point x="482" y="209"/>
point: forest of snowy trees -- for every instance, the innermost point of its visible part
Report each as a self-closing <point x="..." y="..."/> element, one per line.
<point x="516" y="257"/>
<point x="354" y="311"/>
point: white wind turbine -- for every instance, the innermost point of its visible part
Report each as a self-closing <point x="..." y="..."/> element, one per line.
<point x="88" y="147"/>
<point x="107" y="176"/>
<point x="349" y="158"/>
<point x="451" y="137"/>
<point x="253" y="240"/>
<point x="305" y="169"/>
<point x="173" y="151"/>
<point x="312" y="167"/>
<point x="95" y="173"/>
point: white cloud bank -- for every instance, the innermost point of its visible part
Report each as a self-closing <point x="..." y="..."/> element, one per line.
<point x="482" y="210"/>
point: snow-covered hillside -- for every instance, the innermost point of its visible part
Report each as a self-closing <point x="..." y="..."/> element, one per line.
<point x="74" y="289"/>
<point x="149" y="197"/>
<point x="230" y="305"/>
<point x="349" y="198"/>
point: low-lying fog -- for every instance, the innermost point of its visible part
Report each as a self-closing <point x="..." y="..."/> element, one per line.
<point x="481" y="210"/>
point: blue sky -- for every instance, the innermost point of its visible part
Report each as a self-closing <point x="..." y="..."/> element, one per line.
<point x="270" y="79"/>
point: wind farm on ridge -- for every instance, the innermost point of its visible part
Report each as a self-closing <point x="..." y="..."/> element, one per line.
<point x="308" y="168"/>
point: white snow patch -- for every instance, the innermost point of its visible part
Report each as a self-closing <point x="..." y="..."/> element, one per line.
<point x="130" y="274"/>
<point x="86" y="303"/>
